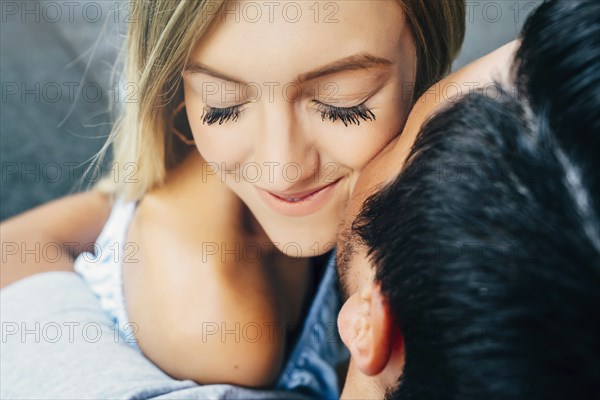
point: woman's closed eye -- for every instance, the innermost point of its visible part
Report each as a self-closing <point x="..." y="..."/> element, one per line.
<point x="347" y="115"/>
<point x="211" y="115"/>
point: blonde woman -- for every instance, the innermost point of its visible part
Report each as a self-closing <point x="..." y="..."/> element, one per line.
<point x="251" y="124"/>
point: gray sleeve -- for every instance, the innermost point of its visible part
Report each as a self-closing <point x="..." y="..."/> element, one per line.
<point x="57" y="343"/>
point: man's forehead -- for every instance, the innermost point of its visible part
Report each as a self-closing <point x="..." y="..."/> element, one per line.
<point x="381" y="170"/>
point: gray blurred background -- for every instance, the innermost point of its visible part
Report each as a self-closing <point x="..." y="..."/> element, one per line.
<point x="56" y="59"/>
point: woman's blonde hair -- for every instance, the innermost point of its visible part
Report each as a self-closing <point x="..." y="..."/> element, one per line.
<point x="160" y="39"/>
<point x="438" y="28"/>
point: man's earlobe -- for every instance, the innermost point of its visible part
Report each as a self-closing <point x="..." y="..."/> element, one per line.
<point x="365" y="327"/>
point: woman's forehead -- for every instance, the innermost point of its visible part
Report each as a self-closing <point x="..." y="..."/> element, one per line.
<point x="285" y="39"/>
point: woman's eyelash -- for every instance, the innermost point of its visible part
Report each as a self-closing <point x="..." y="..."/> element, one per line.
<point x="348" y="115"/>
<point x="212" y="115"/>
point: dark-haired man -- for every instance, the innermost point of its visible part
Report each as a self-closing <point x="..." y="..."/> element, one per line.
<point x="474" y="273"/>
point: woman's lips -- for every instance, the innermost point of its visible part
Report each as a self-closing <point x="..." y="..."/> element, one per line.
<point x="298" y="204"/>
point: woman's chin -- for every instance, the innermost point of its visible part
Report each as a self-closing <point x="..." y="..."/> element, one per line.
<point x="306" y="243"/>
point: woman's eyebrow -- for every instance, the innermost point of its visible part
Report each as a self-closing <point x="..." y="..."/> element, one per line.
<point x="194" y="68"/>
<point x="350" y="63"/>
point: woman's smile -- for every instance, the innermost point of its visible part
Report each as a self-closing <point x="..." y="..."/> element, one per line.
<point x="298" y="204"/>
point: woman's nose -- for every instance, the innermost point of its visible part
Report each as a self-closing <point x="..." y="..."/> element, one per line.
<point x="285" y="152"/>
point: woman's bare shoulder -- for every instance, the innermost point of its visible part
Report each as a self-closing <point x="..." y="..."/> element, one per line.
<point x="190" y="276"/>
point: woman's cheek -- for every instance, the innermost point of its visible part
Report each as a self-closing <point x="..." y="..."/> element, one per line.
<point x="228" y="145"/>
<point x="224" y="144"/>
<point x="354" y="146"/>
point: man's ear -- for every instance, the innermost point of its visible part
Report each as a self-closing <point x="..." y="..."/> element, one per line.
<point x="365" y="326"/>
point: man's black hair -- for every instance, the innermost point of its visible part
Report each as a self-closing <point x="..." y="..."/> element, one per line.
<point x="557" y="68"/>
<point x="487" y="245"/>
